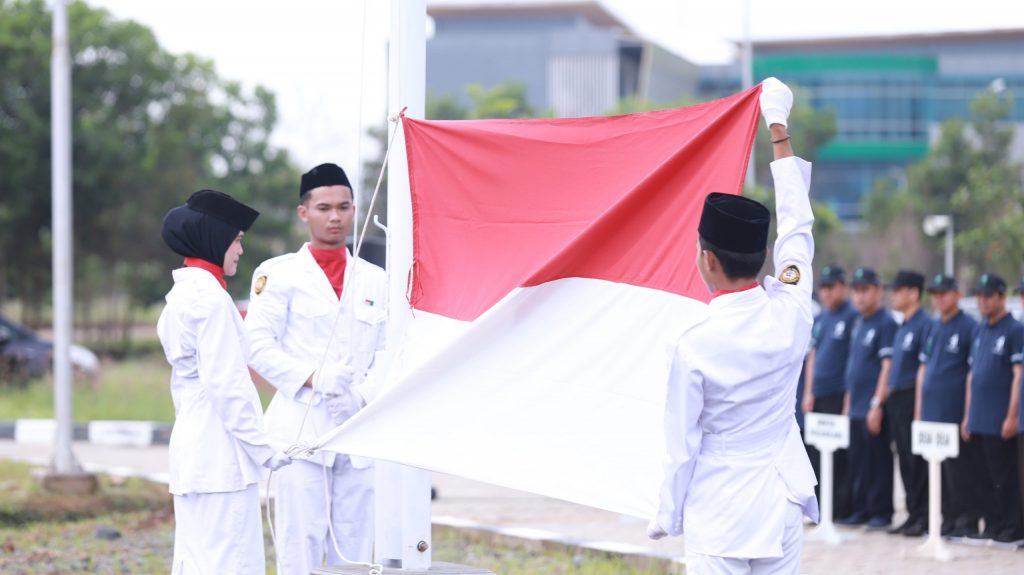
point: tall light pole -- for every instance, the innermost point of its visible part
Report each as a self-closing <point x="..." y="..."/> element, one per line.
<point x="747" y="76"/>
<point x="934" y="225"/>
<point x="60" y="126"/>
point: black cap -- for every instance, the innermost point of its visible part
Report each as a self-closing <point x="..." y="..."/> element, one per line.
<point x="734" y="223"/>
<point x="865" y="277"/>
<point x="323" y="175"/>
<point x="831" y="275"/>
<point x="224" y="208"/>
<point x="989" y="284"/>
<point x="907" y="278"/>
<point x="943" y="283"/>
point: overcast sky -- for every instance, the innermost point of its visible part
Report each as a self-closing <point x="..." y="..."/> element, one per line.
<point x="324" y="64"/>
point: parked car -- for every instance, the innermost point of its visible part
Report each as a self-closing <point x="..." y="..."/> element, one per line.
<point x="24" y="355"/>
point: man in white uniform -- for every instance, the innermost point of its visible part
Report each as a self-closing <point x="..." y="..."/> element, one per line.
<point x="316" y="320"/>
<point x="738" y="480"/>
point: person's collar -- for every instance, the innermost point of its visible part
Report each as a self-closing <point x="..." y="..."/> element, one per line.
<point x="329" y="254"/>
<point x="214" y="269"/>
<point x="721" y="292"/>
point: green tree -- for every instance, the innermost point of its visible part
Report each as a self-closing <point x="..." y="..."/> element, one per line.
<point x="149" y="127"/>
<point x="968" y="173"/>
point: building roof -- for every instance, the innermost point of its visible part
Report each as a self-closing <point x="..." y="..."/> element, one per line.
<point x="593" y="11"/>
<point x="902" y="39"/>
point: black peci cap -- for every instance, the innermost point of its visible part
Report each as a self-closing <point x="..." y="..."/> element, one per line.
<point x="224" y="208"/>
<point x="734" y="223"/>
<point x="907" y="278"/>
<point x="323" y="175"/>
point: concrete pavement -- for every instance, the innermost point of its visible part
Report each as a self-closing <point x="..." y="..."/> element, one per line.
<point x="469" y="504"/>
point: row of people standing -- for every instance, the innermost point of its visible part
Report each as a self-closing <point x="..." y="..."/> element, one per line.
<point x="314" y="325"/>
<point x="884" y="374"/>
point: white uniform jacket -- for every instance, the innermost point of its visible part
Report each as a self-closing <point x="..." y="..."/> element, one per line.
<point x="735" y="454"/>
<point x="218" y="443"/>
<point x="292" y="312"/>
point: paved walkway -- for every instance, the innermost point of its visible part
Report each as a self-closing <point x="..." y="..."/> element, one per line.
<point x="462" y="501"/>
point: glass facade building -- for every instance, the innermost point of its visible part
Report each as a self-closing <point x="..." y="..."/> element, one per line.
<point x="889" y="95"/>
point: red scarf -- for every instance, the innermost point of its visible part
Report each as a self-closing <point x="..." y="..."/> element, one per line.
<point x="729" y="291"/>
<point x="333" y="263"/>
<point x="216" y="270"/>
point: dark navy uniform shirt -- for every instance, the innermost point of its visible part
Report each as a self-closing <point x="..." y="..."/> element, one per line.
<point x="831" y="340"/>
<point x="994" y="352"/>
<point x="945" y="354"/>
<point x="870" y="343"/>
<point x="906" y="351"/>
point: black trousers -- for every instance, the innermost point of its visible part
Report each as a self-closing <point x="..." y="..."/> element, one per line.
<point x="870" y="461"/>
<point x="1020" y="472"/>
<point x="998" y="491"/>
<point x="899" y="412"/>
<point x="961" y="488"/>
<point x="832" y="404"/>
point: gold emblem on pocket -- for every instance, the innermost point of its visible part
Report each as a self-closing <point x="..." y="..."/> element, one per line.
<point x="261" y="282"/>
<point x="790" y="275"/>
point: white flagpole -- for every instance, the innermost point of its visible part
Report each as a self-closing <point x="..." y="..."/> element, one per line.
<point x="403" y="493"/>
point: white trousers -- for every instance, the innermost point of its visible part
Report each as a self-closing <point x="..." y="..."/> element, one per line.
<point x="301" y="514"/>
<point x="788" y="564"/>
<point x="219" y="533"/>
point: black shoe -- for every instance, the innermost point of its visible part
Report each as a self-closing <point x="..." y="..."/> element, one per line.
<point x="947" y="530"/>
<point x="899" y="530"/>
<point x="1009" y="536"/>
<point x="983" y="535"/>
<point x="879" y="523"/>
<point x="970" y="532"/>
<point x="853" y="520"/>
<point x="916" y="530"/>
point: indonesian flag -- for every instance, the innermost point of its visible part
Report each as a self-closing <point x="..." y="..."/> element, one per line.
<point x="554" y="270"/>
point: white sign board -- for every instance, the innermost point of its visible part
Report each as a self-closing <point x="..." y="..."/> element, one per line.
<point x="121" y="433"/>
<point x="827" y="432"/>
<point x="936" y="441"/>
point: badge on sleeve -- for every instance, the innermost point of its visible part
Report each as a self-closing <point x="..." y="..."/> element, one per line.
<point x="790" y="275"/>
<point x="261" y="282"/>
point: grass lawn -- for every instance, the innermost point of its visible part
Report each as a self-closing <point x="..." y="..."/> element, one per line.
<point x="135" y="389"/>
<point x="139" y="511"/>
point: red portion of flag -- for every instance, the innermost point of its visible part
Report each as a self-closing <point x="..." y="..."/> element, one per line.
<point x="501" y="204"/>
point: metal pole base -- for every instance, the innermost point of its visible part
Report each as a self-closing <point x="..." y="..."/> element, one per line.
<point x="437" y="568"/>
<point x="934" y="548"/>
<point x="70" y="483"/>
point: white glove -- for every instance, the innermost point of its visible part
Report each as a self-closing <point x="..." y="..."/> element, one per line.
<point x="776" y="102"/>
<point x="277" y="461"/>
<point x="342" y="406"/>
<point x="334" y="379"/>
<point x="654" y="531"/>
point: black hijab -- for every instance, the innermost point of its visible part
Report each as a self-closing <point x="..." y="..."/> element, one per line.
<point x="206" y="225"/>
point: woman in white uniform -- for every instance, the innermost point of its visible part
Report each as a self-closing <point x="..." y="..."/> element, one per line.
<point x="218" y="444"/>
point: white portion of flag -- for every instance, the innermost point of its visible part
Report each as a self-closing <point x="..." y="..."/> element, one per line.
<point x="558" y="390"/>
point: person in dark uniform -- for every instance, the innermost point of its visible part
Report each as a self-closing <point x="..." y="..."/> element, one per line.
<point x="941" y="387"/>
<point x="991" y="414"/>
<point x="867" y="374"/>
<point x="824" y="372"/>
<point x="907" y="288"/>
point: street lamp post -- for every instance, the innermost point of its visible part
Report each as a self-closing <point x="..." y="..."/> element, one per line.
<point x="934" y="225"/>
